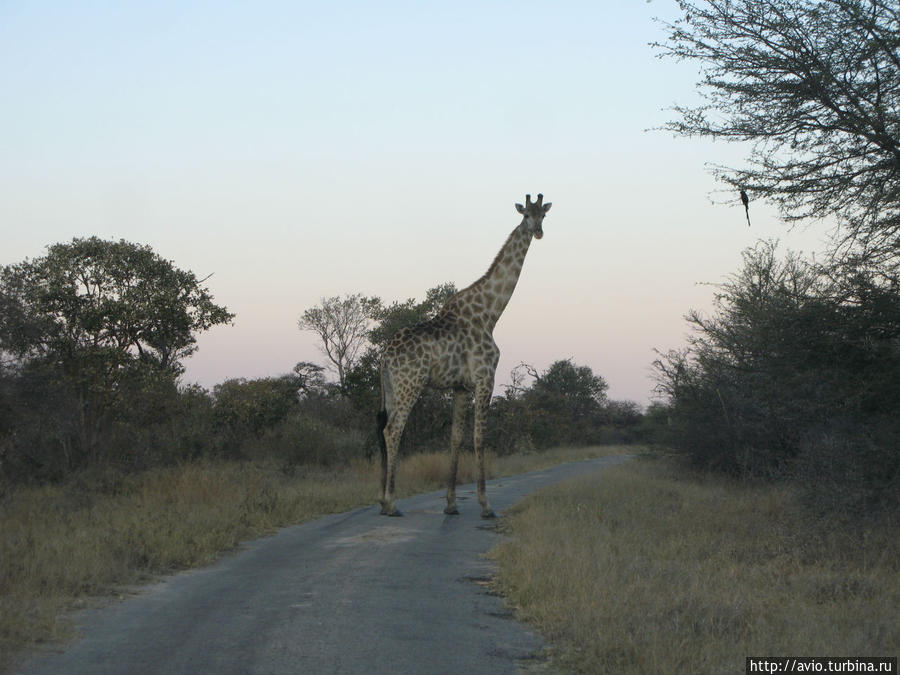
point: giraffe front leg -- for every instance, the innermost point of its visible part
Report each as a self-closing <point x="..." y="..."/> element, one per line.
<point x="460" y="401"/>
<point x="482" y="402"/>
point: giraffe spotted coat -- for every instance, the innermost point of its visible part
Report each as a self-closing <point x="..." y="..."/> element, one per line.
<point x="455" y="350"/>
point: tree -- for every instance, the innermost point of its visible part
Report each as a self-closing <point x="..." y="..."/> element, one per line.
<point x="399" y="314"/>
<point x="116" y="298"/>
<point x="567" y="402"/>
<point x="309" y="378"/>
<point x="429" y="423"/>
<point x="362" y="381"/>
<point x="343" y="326"/>
<point x="797" y="372"/>
<point x="576" y="387"/>
<point x="87" y="330"/>
<point x="253" y="406"/>
<point x="815" y="87"/>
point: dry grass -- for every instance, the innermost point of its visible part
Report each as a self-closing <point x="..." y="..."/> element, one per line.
<point x="94" y="535"/>
<point x="63" y="545"/>
<point x="636" y="571"/>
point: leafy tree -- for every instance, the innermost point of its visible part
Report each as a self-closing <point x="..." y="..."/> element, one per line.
<point x="575" y="388"/>
<point x="87" y="331"/>
<point x="308" y="378"/>
<point x="342" y="324"/>
<point x="797" y="370"/>
<point x="815" y="88"/>
<point x="623" y="414"/>
<point x="392" y="318"/>
<point x="363" y="382"/>
<point x="565" y="403"/>
<point x="429" y="423"/>
<point x="118" y="298"/>
<point x="253" y="406"/>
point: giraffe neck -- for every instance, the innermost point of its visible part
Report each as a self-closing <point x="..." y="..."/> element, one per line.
<point x="483" y="302"/>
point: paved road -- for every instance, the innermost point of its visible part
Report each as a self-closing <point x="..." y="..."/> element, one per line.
<point x="350" y="593"/>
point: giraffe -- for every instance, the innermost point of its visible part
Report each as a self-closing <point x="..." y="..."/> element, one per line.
<point x="455" y="350"/>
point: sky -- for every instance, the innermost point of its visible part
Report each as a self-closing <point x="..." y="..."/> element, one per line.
<point x="301" y="150"/>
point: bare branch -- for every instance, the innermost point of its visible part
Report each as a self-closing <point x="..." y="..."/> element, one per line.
<point x="815" y="89"/>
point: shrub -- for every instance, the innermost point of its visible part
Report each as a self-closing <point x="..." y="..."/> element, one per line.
<point x="796" y="373"/>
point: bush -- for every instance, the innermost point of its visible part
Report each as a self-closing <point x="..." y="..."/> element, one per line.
<point x="796" y="373"/>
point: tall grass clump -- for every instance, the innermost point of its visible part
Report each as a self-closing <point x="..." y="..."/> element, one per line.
<point x="635" y="571"/>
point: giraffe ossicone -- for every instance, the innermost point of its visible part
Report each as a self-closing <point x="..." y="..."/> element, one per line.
<point x="455" y="350"/>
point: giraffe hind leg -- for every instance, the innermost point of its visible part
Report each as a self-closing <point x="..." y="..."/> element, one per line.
<point x="393" y="430"/>
<point x="392" y="433"/>
<point x="460" y="402"/>
<point x="388" y="439"/>
<point x="482" y="401"/>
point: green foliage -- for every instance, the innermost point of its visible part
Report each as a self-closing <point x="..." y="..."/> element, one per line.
<point x="571" y="390"/>
<point x="54" y="429"/>
<point x="95" y="295"/>
<point x="392" y="318"/>
<point x="565" y="405"/>
<point x="428" y="426"/>
<point x="797" y="372"/>
<point x="245" y="407"/>
<point x="89" y="386"/>
<point x="93" y="334"/>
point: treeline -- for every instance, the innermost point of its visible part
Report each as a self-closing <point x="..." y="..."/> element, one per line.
<point x="564" y="404"/>
<point x="92" y="338"/>
<point x="795" y="374"/>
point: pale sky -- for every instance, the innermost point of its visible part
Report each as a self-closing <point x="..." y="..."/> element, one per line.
<point x="299" y="150"/>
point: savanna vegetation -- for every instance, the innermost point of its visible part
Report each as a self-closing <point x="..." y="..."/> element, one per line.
<point x="112" y="470"/>
<point x="92" y="339"/>
<point x="772" y="528"/>
<point x="101" y="532"/>
<point x="648" y="568"/>
<point x="796" y="373"/>
<point x="775" y="533"/>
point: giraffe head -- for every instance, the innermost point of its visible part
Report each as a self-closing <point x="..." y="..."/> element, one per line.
<point x="534" y="213"/>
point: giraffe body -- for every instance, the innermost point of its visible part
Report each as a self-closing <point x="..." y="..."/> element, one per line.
<point x="455" y="350"/>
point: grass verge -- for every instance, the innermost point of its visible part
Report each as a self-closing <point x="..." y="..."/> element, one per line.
<point x="98" y="533"/>
<point x="640" y="569"/>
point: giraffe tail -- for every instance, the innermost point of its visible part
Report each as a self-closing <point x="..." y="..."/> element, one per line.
<point x="381" y="422"/>
<point x="382" y="418"/>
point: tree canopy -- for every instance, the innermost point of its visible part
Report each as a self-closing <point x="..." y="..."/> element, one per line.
<point x="342" y="325"/>
<point x="815" y="88"/>
<point x="111" y="296"/>
<point x="92" y="335"/>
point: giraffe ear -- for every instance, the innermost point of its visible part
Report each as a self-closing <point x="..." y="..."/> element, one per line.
<point x="520" y="209"/>
<point x="547" y="206"/>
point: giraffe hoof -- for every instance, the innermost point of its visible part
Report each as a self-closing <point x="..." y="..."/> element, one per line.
<point x="451" y="510"/>
<point x="487" y="514"/>
<point x="393" y="512"/>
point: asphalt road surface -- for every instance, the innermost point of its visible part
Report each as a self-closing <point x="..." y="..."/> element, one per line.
<point x="355" y="592"/>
